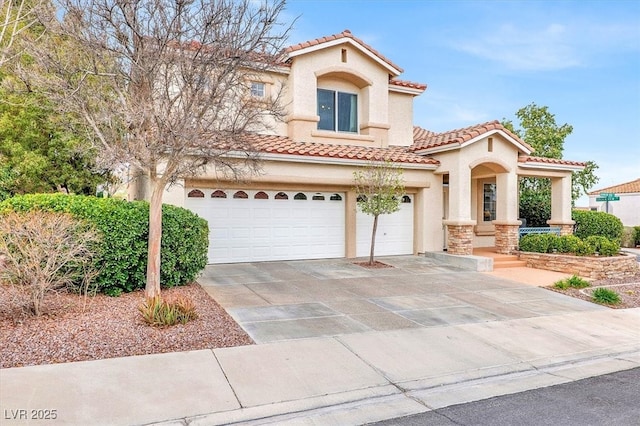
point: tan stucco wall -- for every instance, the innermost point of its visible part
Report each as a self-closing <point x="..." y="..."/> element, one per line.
<point x="384" y="118"/>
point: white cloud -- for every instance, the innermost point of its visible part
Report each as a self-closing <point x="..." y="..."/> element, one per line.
<point x="518" y="48"/>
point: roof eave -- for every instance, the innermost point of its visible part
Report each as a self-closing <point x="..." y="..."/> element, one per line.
<point x="550" y="166"/>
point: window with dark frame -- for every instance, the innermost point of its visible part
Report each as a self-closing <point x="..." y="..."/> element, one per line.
<point x="489" y="202"/>
<point x="338" y="111"/>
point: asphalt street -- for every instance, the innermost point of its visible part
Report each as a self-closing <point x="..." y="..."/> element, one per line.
<point x="611" y="399"/>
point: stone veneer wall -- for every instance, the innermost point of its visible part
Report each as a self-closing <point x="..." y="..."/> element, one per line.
<point x="507" y="238"/>
<point x="460" y="239"/>
<point x="595" y="267"/>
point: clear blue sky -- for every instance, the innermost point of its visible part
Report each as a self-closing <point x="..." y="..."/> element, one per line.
<point x="484" y="60"/>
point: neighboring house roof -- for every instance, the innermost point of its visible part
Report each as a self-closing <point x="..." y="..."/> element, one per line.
<point x="623" y="188"/>
<point x="343" y="37"/>
<point x="427" y="141"/>
<point x="282" y="145"/>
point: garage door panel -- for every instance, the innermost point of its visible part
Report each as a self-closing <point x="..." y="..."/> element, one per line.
<point x="250" y="229"/>
<point x="394" y="235"/>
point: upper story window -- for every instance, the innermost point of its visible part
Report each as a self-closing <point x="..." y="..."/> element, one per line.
<point x="338" y="111"/>
<point x="257" y="89"/>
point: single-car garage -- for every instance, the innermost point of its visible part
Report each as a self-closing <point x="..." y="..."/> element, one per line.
<point x="261" y="225"/>
<point x="394" y="235"/>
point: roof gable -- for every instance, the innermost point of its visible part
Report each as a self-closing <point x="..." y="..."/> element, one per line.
<point x="426" y="142"/>
<point x="341" y="38"/>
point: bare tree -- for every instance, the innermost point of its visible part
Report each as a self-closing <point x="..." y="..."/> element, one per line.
<point x="17" y="16"/>
<point x="164" y="86"/>
<point x="379" y="187"/>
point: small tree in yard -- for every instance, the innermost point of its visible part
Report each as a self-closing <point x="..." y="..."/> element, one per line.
<point x="380" y="188"/>
<point x="163" y="86"/>
<point x="42" y="252"/>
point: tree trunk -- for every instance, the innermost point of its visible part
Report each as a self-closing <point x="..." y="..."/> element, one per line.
<point x="373" y="238"/>
<point x="152" y="288"/>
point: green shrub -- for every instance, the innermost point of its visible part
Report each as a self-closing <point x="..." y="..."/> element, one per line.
<point x="574" y="282"/>
<point x="538" y="243"/>
<point x="584" y="249"/>
<point x="590" y="223"/>
<point x="567" y="244"/>
<point x="603" y="245"/>
<point x="162" y="313"/>
<point x="124" y="226"/>
<point x="605" y="296"/>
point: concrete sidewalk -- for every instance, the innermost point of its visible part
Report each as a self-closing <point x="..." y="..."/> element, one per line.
<point x="348" y="379"/>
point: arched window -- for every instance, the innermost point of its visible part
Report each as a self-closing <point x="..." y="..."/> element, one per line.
<point x="240" y="194"/>
<point x="218" y="194"/>
<point x="335" y="197"/>
<point x="406" y="199"/>
<point x="281" y="196"/>
<point x="299" y="196"/>
<point x="195" y="193"/>
<point x="261" y="196"/>
<point x="318" y="197"/>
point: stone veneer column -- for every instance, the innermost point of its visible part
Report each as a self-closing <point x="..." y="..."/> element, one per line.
<point x="507" y="237"/>
<point x="566" y="228"/>
<point x="460" y="239"/>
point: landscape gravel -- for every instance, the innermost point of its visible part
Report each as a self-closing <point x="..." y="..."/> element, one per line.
<point x="108" y="327"/>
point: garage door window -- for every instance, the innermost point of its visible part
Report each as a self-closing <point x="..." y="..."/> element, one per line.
<point x="299" y="196"/>
<point x="261" y="195"/>
<point x="281" y="196"/>
<point x="218" y="194"/>
<point x="195" y="193"/>
<point x="335" y="197"/>
<point x="240" y="194"/>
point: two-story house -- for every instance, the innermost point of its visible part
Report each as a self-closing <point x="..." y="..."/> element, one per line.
<point x="347" y="106"/>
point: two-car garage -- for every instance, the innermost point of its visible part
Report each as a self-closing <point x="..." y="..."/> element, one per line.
<point x="249" y="225"/>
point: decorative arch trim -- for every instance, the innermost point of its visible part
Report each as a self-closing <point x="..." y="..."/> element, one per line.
<point x="344" y="73"/>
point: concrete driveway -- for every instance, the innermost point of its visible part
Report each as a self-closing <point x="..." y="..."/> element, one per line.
<point x="278" y="301"/>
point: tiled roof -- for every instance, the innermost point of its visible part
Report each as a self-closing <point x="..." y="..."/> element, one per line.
<point x="409" y="84"/>
<point x="424" y="139"/>
<point x="272" y="144"/>
<point x="623" y="188"/>
<point x="344" y="34"/>
<point x="545" y="160"/>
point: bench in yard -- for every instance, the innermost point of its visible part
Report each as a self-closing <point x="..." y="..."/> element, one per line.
<point x="538" y="230"/>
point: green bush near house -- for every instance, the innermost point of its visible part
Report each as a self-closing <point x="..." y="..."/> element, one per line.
<point x="539" y="243"/>
<point x="603" y="245"/>
<point x="122" y="257"/>
<point x="590" y="223"/>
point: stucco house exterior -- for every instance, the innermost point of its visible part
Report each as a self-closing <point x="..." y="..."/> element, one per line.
<point x="346" y="106"/>
<point x="627" y="208"/>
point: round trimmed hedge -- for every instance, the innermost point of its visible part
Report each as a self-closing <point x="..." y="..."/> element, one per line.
<point x="590" y="223"/>
<point x="124" y="225"/>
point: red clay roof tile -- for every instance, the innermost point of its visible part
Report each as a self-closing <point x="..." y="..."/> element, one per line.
<point x="272" y="144"/>
<point x="545" y="160"/>
<point x="425" y="139"/>
<point x="623" y="188"/>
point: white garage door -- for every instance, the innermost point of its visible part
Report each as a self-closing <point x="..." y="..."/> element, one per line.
<point x="394" y="235"/>
<point x="253" y="225"/>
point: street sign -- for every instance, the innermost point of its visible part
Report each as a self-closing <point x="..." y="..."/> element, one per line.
<point x="605" y="196"/>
